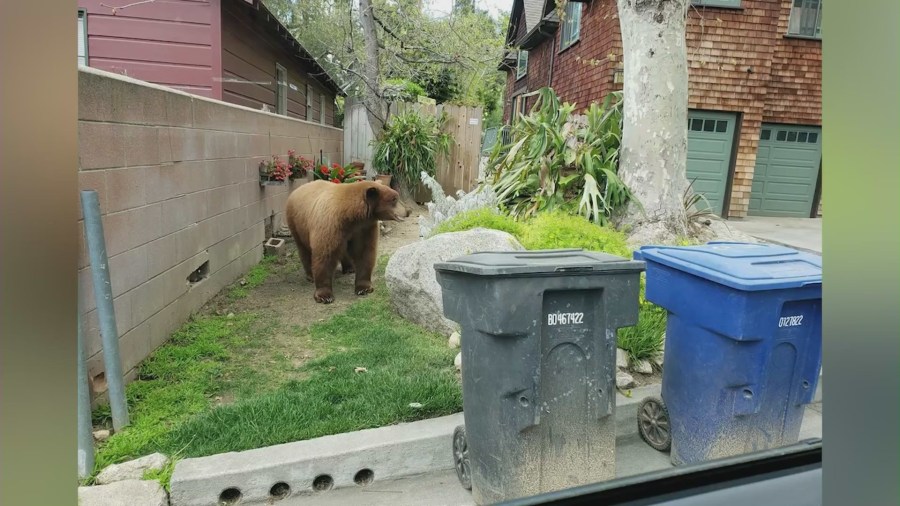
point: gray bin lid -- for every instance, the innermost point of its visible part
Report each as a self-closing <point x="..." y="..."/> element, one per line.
<point x="539" y="262"/>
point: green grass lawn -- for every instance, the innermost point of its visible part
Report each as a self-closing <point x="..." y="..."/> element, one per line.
<point x="370" y="366"/>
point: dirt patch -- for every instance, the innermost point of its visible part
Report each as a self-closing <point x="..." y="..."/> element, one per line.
<point x="286" y="298"/>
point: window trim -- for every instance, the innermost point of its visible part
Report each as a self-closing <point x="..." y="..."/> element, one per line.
<point x="308" y="102"/>
<point x="281" y="88"/>
<point x="321" y="108"/>
<point x="718" y="4"/>
<point x="567" y="42"/>
<point x="82" y="20"/>
<point x="520" y="72"/>
<point x="818" y="23"/>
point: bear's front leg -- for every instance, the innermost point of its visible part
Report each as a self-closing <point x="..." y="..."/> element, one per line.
<point x="363" y="250"/>
<point x="323" y="266"/>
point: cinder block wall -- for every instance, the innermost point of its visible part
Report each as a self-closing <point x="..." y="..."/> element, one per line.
<point x="177" y="179"/>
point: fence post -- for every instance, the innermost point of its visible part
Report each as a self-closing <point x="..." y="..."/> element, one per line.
<point x="96" y="246"/>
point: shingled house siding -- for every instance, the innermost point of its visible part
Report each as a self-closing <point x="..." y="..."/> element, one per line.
<point x="782" y="86"/>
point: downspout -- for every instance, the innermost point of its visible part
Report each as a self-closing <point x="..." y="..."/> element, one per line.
<point x="552" y="54"/>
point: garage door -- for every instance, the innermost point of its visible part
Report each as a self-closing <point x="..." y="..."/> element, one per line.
<point x="710" y="139"/>
<point x="787" y="168"/>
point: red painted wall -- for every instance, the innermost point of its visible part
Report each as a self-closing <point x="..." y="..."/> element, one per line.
<point x="174" y="43"/>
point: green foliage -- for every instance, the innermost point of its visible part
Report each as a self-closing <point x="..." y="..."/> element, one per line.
<point x="480" y="218"/>
<point x="557" y="230"/>
<point x="403" y="90"/>
<point x="555" y="163"/>
<point x="410" y="144"/>
<point x="442" y="86"/>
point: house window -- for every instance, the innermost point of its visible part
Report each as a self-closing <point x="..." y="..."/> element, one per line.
<point x="736" y="4"/>
<point x="571" y="29"/>
<point x="309" y="116"/>
<point x="82" y="37"/>
<point x="518" y="107"/>
<point x="806" y="19"/>
<point x="522" y="64"/>
<point x="280" y="89"/>
<point x="322" y="108"/>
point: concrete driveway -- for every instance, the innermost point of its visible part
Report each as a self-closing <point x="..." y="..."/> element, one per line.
<point x="799" y="233"/>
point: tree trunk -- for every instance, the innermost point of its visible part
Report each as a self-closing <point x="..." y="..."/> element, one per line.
<point x="653" y="153"/>
<point x="375" y="107"/>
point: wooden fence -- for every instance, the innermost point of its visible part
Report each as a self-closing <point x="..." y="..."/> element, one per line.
<point x="456" y="171"/>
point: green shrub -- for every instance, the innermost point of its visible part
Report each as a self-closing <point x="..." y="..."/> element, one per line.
<point x="409" y="144"/>
<point x="480" y="218"/>
<point x="558" y="230"/>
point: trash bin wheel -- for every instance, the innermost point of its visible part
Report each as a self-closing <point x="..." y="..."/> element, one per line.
<point x="461" y="457"/>
<point x="653" y="423"/>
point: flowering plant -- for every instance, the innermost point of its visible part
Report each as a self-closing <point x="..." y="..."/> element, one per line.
<point x="274" y="170"/>
<point x="338" y="174"/>
<point x="300" y="166"/>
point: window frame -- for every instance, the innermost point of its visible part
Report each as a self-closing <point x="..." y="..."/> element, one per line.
<point x="798" y="11"/>
<point x="280" y="89"/>
<point x="571" y="26"/>
<point x="82" y="23"/>
<point x="521" y="69"/>
<point x="308" y="102"/>
<point x="720" y="4"/>
<point x="321" y="108"/>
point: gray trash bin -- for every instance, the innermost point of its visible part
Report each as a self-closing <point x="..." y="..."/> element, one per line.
<point x="538" y="366"/>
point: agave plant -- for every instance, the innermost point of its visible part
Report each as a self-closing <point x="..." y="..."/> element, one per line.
<point x="558" y="161"/>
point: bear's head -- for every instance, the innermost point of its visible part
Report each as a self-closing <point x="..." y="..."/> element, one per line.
<point x="383" y="202"/>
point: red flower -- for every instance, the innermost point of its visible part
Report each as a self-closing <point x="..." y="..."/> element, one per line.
<point x="325" y="170"/>
<point x="341" y="172"/>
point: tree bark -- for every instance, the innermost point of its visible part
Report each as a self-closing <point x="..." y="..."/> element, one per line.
<point x="653" y="153"/>
<point x="375" y="107"/>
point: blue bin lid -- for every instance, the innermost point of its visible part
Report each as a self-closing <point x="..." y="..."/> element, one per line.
<point x="742" y="266"/>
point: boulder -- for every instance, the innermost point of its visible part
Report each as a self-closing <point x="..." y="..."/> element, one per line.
<point x="124" y="493"/>
<point x="133" y="469"/>
<point x="624" y="380"/>
<point x="621" y="358"/>
<point x="412" y="282"/>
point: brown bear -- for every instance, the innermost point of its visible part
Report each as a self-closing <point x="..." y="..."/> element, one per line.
<point x="339" y="222"/>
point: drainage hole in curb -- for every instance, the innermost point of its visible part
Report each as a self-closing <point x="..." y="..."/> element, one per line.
<point x="229" y="497"/>
<point x="364" y="477"/>
<point x="322" y="483"/>
<point x="280" y="490"/>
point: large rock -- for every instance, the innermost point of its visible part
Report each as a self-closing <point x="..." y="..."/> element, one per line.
<point x="133" y="469"/>
<point x="124" y="493"/>
<point x="411" y="280"/>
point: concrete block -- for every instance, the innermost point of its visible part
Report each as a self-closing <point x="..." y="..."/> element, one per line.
<point x="188" y="144"/>
<point x="124" y="493"/>
<point x="219" y="145"/>
<point x="125" y="319"/>
<point x="126" y="188"/>
<point x="162" y="325"/>
<point x="212" y="116"/>
<point x="179" y="110"/>
<point x="138" y="104"/>
<point x="100" y="145"/>
<point x="224" y="252"/>
<point x="175" y="215"/>
<point x="147" y="299"/>
<point x="165" y="145"/>
<point x="128" y="229"/>
<point x="91" y="328"/>
<point x="128" y="270"/>
<point x="141" y="145"/>
<point x="134" y="346"/>
<point x="253" y="144"/>
<point x="94" y="97"/>
<point x="162" y="255"/>
<point x="275" y="247"/>
<point x="389" y="452"/>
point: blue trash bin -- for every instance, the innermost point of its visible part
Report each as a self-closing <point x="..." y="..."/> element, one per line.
<point x="743" y="347"/>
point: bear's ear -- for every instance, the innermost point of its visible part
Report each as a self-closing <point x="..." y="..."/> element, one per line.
<point x="372" y="194"/>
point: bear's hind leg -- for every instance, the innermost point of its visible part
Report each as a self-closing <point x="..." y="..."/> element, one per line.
<point x="324" y="263"/>
<point x="363" y="250"/>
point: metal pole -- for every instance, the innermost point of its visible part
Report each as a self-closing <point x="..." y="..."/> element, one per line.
<point x="96" y="246"/>
<point x="85" y="427"/>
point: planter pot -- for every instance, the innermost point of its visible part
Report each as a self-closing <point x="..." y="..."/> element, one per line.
<point x="271" y="182"/>
<point x="384" y="179"/>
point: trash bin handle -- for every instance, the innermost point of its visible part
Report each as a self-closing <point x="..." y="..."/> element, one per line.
<point x="811" y="283"/>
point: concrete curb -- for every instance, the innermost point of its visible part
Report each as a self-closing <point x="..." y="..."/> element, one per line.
<point x="389" y="452"/>
<point x="392" y="452"/>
